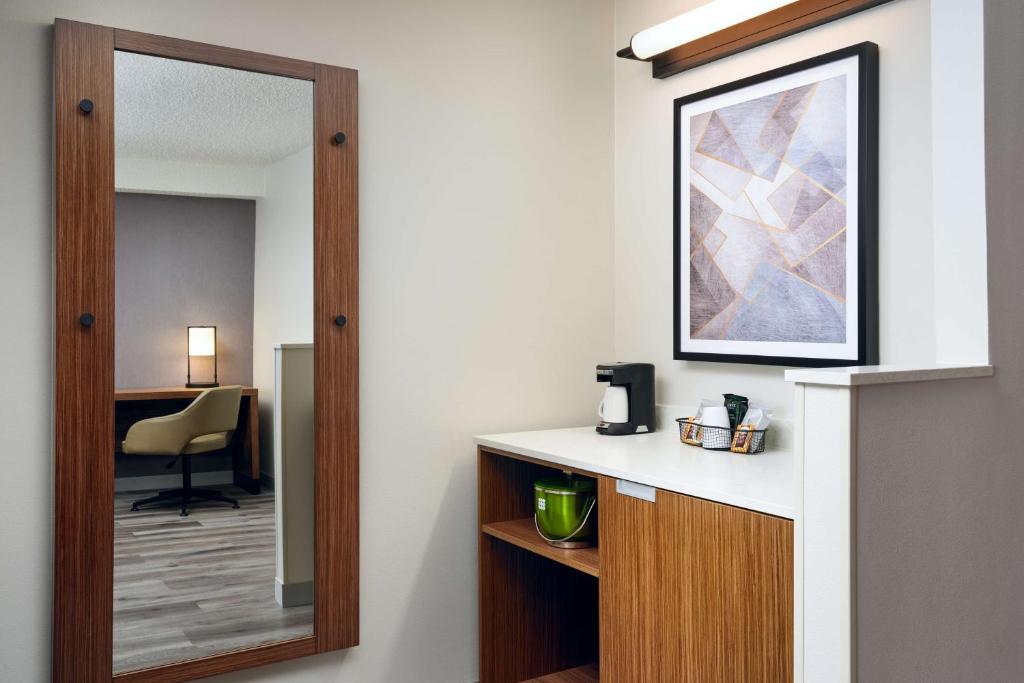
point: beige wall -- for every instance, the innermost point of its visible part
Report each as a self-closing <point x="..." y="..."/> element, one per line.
<point x="486" y="158"/>
<point x="643" y="194"/>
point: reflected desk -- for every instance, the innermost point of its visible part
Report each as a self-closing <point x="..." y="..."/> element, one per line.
<point x="132" y="405"/>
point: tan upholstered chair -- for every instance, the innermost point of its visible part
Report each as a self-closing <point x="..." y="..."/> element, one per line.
<point x="206" y="425"/>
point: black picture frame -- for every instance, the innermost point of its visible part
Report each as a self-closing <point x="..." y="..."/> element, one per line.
<point x="867" y="212"/>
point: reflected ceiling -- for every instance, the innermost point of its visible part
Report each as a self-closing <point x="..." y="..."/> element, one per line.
<point x="172" y="110"/>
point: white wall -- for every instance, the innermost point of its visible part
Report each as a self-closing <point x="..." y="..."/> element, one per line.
<point x="958" y="176"/>
<point x="283" y="279"/>
<point x="643" y="193"/>
<point x="485" y="236"/>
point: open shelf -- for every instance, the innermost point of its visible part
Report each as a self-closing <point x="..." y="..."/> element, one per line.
<point x="523" y="533"/>
<point x="581" y="674"/>
<point x="538" y="603"/>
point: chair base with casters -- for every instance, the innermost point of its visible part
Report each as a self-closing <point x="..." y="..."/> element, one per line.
<point x="186" y="493"/>
<point x="205" y="426"/>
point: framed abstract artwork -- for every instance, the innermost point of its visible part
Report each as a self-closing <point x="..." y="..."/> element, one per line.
<point x="776" y="212"/>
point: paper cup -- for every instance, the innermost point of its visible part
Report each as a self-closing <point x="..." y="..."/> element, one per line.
<point x="715" y="416"/>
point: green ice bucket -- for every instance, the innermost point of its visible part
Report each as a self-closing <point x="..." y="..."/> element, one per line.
<point x="563" y="507"/>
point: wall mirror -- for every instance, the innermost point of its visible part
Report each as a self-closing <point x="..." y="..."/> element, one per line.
<point x="213" y="323"/>
<point x="206" y="450"/>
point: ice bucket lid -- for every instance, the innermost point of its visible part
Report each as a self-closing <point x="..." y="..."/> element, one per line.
<point x="564" y="485"/>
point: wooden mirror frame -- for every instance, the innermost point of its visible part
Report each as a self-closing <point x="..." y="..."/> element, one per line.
<point x="84" y="354"/>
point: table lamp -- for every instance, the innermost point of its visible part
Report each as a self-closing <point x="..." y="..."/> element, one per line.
<point x="202" y="351"/>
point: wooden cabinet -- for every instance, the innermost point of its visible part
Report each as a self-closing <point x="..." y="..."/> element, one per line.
<point x="678" y="590"/>
<point x="692" y="590"/>
<point x="627" y="547"/>
<point x="538" y="604"/>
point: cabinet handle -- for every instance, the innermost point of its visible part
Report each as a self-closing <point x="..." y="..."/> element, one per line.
<point x="86" y="319"/>
<point x="631" y="488"/>
<point x="340" y="320"/>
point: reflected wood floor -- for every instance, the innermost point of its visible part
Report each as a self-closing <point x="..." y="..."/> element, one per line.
<point x="187" y="587"/>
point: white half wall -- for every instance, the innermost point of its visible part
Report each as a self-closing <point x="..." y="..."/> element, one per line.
<point x="294" y="444"/>
<point x="158" y="176"/>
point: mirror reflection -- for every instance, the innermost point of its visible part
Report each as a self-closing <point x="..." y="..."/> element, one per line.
<point x="213" y="510"/>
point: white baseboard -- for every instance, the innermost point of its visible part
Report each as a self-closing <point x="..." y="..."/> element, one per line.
<point x="171" y="481"/>
<point x="293" y="594"/>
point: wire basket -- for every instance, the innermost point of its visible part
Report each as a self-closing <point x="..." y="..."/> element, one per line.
<point x="741" y="440"/>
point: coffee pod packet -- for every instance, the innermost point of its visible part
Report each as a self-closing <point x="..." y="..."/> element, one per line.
<point x="752" y="427"/>
<point x="737" y="407"/>
<point x="759" y="417"/>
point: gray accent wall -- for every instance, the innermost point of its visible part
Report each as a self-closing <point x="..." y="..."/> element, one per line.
<point x="939" y="471"/>
<point x="182" y="261"/>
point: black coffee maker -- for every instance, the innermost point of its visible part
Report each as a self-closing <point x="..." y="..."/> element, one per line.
<point x="638" y="381"/>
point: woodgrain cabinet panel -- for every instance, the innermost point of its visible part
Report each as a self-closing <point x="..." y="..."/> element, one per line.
<point x="693" y="590"/>
<point x="627" y="543"/>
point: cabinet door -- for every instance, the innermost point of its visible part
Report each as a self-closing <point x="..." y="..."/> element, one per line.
<point x="693" y="591"/>
<point x="628" y="587"/>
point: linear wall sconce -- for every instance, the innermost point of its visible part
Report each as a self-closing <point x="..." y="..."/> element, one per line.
<point x="724" y="27"/>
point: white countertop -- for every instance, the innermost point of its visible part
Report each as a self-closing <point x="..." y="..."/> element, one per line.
<point x="885" y="374"/>
<point x="762" y="482"/>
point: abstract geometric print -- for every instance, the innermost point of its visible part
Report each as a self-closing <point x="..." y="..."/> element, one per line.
<point x="768" y="218"/>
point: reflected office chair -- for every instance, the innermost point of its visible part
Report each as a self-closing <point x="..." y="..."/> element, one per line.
<point x="205" y="426"/>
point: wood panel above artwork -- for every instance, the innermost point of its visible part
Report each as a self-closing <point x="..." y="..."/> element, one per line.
<point x="779" y="23"/>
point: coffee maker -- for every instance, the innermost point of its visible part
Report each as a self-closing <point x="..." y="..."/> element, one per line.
<point x="633" y="384"/>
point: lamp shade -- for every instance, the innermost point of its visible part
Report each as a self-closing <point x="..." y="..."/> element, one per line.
<point x="699" y="22"/>
<point x="202" y="341"/>
<point x="202" y="356"/>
